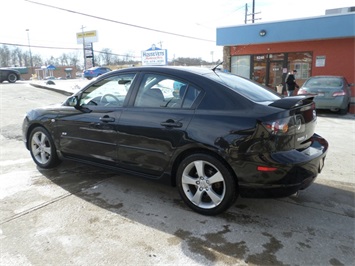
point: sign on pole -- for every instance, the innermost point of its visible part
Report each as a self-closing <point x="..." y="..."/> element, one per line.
<point x="89" y="36"/>
<point x="154" y="57"/>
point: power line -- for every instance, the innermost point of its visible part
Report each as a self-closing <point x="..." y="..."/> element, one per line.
<point x="119" y="22"/>
<point x="63" y="48"/>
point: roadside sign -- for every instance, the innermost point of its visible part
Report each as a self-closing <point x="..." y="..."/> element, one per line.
<point x="154" y="57"/>
<point x="90" y="36"/>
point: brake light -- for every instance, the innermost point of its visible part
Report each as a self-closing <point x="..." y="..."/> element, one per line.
<point x="302" y="91"/>
<point x="339" y="93"/>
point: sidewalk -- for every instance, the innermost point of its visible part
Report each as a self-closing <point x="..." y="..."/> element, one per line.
<point x="66" y="87"/>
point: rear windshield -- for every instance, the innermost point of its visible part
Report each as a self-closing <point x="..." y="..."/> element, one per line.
<point x="249" y="89"/>
<point x="321" y="82"/>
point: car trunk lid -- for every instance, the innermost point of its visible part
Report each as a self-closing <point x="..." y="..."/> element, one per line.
<point x="295" y="127"/>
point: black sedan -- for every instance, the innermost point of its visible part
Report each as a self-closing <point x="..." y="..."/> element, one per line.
<point x="214" y="135"/>
<point x="10" y="75"/>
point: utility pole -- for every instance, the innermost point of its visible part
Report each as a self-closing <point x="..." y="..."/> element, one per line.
<point x="29" y="48"/>
<point x="160" y="44"/>
<point x="252" y="14"/>
<point x="246" y="14"/>
<point x="82" y="31"/>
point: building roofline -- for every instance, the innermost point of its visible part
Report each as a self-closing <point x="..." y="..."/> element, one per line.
<point x="311" y="28"/>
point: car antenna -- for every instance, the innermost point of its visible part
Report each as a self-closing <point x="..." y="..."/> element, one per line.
<point x="218" y="64"/>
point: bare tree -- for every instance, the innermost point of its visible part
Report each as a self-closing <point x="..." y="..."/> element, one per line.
<point x="106" y="56"/>
<point x="74" y="59"/>
<point x="37" y="60"/>
<point x="64" y="59"/>
<point x="16" y="56"/>
<point x="5" y="55"/>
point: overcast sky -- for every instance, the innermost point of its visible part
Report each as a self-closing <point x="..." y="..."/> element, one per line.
<point x="196" y="20"/>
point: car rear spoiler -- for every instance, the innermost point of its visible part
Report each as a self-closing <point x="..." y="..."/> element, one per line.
<point x="291" y="102"/>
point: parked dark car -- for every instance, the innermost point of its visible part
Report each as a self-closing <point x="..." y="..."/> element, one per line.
<point x="94" y="72"/>
<point x="10" y="75"/>
<point x="330" y="92"/>
<point x="219" y="136"/>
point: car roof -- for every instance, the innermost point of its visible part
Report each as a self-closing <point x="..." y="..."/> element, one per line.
<point x="186" y="69"/>
<point x="326" y="76"/>
<point x="96" y="67"/>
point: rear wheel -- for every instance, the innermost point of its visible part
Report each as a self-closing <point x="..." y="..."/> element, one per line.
<point x="344" y="111"/>
<point x="12" y="78"/>
<point x="42" y="148"/>
<point x="205" y="184"/>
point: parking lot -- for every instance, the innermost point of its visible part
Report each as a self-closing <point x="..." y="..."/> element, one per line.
<point x="81" y="215"/>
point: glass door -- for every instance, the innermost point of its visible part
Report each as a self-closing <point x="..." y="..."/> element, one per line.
<point x="275" y="74"/>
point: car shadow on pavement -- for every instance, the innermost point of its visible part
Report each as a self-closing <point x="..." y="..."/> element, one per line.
<point x="330" y="114"/>
<point x="253" y="231"/>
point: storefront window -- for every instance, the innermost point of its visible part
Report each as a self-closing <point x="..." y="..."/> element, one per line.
<point x="302" y="62"/>
<point x="240" y="65"/>
<point x="271" y="69"/>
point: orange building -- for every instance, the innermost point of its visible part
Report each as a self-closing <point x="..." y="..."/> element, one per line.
<point x="266" y="52"/>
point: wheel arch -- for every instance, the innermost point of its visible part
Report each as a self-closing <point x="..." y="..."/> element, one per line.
<point x="197" y="150"/>
<point x="29" y="131"/>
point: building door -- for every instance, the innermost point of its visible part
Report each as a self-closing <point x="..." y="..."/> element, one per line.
<point x="275" y="73"/>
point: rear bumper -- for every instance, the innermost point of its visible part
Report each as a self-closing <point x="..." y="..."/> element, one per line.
<point x="295" y="170"/>
<point x="335" y="103"/>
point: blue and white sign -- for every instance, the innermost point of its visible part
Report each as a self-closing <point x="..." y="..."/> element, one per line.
<point x="154" y="57"/>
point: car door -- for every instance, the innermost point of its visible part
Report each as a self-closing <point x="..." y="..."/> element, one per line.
<point x="151" y="129"/>
<point x="90" y="131"/>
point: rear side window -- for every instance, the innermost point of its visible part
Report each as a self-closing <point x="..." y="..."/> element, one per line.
<point x="159" y="91"/>
<point x="249" y="89"/>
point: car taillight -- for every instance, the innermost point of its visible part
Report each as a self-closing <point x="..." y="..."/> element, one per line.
<point x="277" y="127"/>
<point x="288" y="126"/>
<point x="302" y="91"/>
<point x="339" y="93"/>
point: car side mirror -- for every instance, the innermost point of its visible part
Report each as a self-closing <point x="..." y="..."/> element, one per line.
<point x="73" y="101"/>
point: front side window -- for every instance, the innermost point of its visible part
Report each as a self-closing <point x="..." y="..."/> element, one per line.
<point x="109" y="92"/>
<point x="159" y="91"/>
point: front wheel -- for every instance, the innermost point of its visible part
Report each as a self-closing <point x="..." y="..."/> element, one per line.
<point x="344" y="111"/>
<point x="42" y="148"/>
<point x="205" y="184"/>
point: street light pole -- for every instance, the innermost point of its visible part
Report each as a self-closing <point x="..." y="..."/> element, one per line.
<point x="29" y="48"/>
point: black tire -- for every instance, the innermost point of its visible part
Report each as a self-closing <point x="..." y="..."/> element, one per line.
<point x="344" y="111"/>
<point x="42" y="148"/>
<point x="12" y="78"/>
<point x="205" y="184"/>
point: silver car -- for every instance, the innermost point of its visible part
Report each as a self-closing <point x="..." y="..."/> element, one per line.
<point x="331" y="92"/>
